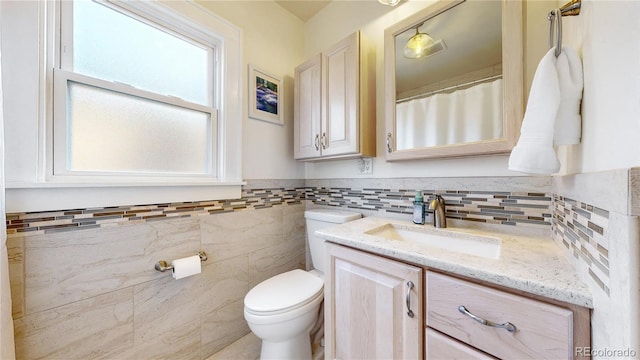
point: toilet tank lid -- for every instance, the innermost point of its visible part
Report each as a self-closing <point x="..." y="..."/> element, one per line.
<point x="333" y="216"/>
<point x="283" y="291"/>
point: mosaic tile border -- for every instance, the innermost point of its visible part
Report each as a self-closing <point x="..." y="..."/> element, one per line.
<point x="21" y="224"/>
<point x="506" y="208"/>
<point x="581" y="228"/>
<point x="494" y="207"/>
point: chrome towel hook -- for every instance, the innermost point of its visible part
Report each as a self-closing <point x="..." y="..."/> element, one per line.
<point x="555" y="16"/>
<point x="571" y="8"/>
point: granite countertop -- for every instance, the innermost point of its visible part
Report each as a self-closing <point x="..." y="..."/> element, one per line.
<point x="531" y="263"/>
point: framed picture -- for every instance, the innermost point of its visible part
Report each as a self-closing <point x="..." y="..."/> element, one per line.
<point x="265" y="96"/>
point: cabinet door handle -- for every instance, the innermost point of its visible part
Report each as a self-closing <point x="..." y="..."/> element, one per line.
<point x="409" y="287"/>
<point x="389" y="138"/>
<point x="508" y="326"/>
<point x="317" y="142"/>
<point x="324" y="141"/>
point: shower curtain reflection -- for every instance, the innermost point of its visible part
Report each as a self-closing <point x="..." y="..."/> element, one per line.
<point x="463" y="116"/>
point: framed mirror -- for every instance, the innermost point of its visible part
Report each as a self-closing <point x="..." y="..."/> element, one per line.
<point x="454" y="80"/>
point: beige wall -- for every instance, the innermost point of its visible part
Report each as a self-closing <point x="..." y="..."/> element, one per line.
<point x="273" y="41"/>
<point x="118" y="304"/>
<point x="606" y="34"/>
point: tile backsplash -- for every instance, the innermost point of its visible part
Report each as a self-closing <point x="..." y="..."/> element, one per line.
<point x="582" y="228"/>
<point x="495" y="207"/>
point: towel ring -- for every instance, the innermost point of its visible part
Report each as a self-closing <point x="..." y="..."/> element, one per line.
<point x="555" y="16"/>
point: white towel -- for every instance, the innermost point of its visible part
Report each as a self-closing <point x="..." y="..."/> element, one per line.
<point x="553" y="111"/>
<point x="568" y="121"/>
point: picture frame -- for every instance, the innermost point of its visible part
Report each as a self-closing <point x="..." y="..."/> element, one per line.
<point x="266" y="96"/>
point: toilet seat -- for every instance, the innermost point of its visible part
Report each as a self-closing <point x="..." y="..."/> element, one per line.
<point x="283" y="293"/>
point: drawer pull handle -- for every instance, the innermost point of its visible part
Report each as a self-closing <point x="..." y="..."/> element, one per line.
<point x="409" y="287"/>
<point x="508" y="326"/>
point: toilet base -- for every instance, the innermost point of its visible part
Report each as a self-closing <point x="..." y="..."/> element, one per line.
<point x="295" y="348"/>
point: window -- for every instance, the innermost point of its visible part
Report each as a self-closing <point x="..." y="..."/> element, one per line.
<point x="138" y="95"/>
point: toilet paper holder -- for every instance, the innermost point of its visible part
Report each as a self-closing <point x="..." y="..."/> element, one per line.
<point x="163" y="266"/>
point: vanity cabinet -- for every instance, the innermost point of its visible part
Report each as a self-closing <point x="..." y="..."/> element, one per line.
<point x="334" y="102"/>
<point x="367" y="304"/>
<point x="367" y="298"/>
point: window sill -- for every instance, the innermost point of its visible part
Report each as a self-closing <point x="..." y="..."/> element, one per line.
<point x="32" y="197"/>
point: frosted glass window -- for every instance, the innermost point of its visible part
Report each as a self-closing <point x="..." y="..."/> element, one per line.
<point x="113" y="132"/>
<point x="112" y="46"/>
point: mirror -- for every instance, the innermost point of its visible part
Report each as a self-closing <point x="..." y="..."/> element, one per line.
<point x="461" y="93"/>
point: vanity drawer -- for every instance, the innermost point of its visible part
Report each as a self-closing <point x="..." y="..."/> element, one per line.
<point x="543" y="331"/>
<point x="442" y="347"/>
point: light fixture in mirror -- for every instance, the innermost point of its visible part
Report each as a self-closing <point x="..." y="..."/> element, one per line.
<point x="468" y="99"/>
<point x="389" y="2"/>
<point x="422" y="45"/>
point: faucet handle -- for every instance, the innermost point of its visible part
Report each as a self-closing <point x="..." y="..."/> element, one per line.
<point x="439" y="212"/>
<point x="436" y="201"/>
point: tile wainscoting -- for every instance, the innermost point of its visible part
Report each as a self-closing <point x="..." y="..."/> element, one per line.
<point x="91" y="270"/>
<point x="84" y="286"/>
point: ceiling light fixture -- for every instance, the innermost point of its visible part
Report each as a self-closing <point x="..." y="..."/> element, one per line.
<point x="389" y="2"/>
<point x="422" y="45"/>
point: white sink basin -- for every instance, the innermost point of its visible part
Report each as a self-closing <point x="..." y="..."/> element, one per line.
<point x="471" y="244"/>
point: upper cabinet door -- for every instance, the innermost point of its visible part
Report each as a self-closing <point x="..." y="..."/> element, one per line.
<point x="335" y="104"/>
<point x="340" y="82"/>
<point x="306" y="119"/>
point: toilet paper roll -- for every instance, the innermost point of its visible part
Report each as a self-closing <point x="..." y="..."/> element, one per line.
<point x="186" y="267"/>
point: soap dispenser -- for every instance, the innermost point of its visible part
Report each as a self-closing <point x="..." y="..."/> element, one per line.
<point x="418" y="209"/>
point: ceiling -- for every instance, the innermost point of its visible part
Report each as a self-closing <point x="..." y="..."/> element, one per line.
<point x="303" y="9"/>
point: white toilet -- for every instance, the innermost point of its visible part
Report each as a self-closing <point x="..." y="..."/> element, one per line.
<point x="282" y="310"/>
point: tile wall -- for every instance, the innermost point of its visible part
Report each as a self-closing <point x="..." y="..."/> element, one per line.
<point x="88" y="273"/>
<point x="84" y="286"/>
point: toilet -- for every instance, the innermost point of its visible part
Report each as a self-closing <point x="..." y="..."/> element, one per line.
<point x="282" y="310"/>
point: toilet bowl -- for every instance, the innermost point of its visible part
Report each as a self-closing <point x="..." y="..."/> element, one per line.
<point x="282" y="310"/>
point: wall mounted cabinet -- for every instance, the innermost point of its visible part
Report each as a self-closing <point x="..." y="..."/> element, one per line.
<point x="334" y="102"/>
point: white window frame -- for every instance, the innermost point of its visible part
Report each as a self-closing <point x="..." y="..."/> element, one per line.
<point x="49" y="191"/>
<point x="60" y="140"/>
<point x="147" y="13"/>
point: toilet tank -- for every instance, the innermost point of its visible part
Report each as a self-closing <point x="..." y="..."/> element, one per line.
<point x="321" y="218"/>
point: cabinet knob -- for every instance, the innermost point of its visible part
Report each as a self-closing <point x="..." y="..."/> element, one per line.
<point x="324" y="141"/>
<point x="389" y="139"/>
<point x="317" y="142"/>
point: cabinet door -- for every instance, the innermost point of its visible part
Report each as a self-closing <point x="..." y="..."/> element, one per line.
<point x="366" y="307"/>
<point x="307" y="110"/>
<point x="340" y="77"/>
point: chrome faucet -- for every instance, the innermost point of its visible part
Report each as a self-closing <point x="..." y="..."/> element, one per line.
<point x="439" y="212"/>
